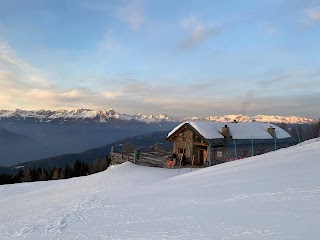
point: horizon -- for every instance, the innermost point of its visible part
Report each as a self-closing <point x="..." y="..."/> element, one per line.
<point x="178" y="58"/>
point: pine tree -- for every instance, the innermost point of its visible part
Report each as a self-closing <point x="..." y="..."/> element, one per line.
<point x="77" y="169"/>
<point x="33" y="174"/>
<point x="95" y="166"/>
<point x="127" y="148"/>
<point x="55" y="173"/>
<point x="26" y="175"/>
<point x="6" y="179"/>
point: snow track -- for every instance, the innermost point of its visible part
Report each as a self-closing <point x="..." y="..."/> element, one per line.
<point x="272" y="196"/>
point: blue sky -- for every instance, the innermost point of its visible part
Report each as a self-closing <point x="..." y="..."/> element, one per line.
<point x="181" y="58"/>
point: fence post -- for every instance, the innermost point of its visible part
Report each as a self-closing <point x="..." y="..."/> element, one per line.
<point x="318" y="130"/>
<point x="209" y="155"/>
<point x="235" y="148"/>
<point x="275" y="141"/>
<point x="298" y="134"/>
<point x="192" y="163"/>
<point x="251" y="146"/>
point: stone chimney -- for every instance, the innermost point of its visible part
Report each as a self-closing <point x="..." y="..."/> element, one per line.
<point x="226" y="131"/>
<point x="271" y="130"/>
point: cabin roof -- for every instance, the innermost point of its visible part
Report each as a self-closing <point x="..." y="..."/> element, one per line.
<point x="242" y="130"/>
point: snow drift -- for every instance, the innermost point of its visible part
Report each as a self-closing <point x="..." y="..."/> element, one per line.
<point x="271" y="196"/>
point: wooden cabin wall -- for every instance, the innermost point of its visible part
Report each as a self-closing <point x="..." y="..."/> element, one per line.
<point x="227" y="153"/>
<point x="184" y="140"/>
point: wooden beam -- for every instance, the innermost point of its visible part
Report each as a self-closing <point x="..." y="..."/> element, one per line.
<point x="201" y="144"/>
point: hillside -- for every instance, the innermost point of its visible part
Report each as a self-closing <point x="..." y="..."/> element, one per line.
<point x="143" y="142"/>
<point x="74" y="138"/>
<point x="15" y="148"/>
<point x="271" y="196"/>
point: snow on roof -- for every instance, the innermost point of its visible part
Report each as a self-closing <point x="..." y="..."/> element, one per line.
<point x="207" y="130"/>
<point x="243" y="130"/>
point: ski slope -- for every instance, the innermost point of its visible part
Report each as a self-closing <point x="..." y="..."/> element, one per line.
<point x="271" y="196"/>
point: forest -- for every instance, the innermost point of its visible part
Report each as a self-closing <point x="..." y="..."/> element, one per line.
<point x="41" y="174"/>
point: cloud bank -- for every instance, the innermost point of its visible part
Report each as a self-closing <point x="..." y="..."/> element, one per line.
<point x="196" y="31"/>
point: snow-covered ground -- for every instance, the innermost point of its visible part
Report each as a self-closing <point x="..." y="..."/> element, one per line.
<point x="271" y="196"/>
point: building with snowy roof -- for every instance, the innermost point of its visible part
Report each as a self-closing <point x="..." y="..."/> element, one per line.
<point x="210" y="143"/>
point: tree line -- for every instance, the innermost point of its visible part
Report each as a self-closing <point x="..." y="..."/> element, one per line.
<point x="41" y="174"/>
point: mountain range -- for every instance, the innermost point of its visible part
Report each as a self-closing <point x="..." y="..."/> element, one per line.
<point x="85" y="116"/>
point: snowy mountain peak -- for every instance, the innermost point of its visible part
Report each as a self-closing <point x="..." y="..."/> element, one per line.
<point x="102" y="116"/>
<point x="258" y="118"/>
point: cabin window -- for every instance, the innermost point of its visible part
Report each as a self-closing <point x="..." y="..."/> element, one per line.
<point x="219" y="154"/>
<point x="181" y="150"/>
<point x="184" y="139"/>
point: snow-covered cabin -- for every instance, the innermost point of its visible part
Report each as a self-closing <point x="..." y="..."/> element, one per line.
<point x="209" y="143"/>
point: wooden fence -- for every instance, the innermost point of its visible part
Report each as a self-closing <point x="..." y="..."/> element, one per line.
<point x="148" y="159"/>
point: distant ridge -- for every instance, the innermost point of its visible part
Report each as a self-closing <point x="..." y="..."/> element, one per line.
<point x="105" y="116"/>
<point x="14" y="147"/>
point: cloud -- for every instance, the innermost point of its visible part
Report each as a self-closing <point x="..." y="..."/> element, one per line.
<point x="197" y="31"/>
<point x="74" y="93"/>
<point x="129" y="12"/>
<point x="279" y="78"/>
<point x="15" y="70"/>
<point x="111" y="95"/>
<point x="138" y="87"/>
<point x="132" y="13"/>
<point x="109" y="43"/>
<point x="35" y="94"/>
<point x="270" y="30"/>
<point x="8" y="58"/>
<point x="23" y="86"/>
<point x="121" y="78"/>
<point x="290" y="79"/>
<point x="295" y="104"/>
<point x="313" y="15"/>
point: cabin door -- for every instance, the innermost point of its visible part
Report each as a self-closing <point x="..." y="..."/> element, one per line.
<point x="201" y="156"/>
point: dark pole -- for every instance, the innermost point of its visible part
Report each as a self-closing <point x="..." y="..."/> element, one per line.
<point x="318" y="130"/>
<point x="251" y="146"/>
<point x="298" y="134"/>
<point x="275" y="141"/>
<point x="235" y="148"/>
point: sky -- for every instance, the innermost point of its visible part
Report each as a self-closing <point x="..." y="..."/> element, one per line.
<point x="180" y="58"/>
